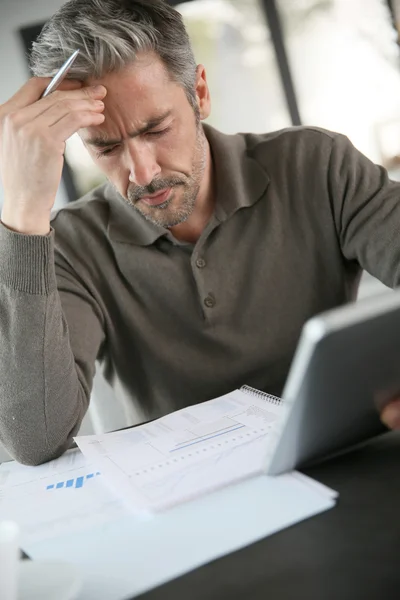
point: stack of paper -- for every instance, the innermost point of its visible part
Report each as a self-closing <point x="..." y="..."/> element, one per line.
<point x="66" y="512"/>
<point x="187" y="453"/>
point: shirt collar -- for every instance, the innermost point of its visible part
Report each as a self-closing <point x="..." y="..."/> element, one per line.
<point x="240" y="182"/>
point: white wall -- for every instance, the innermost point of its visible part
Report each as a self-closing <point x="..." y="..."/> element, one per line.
<point x="14" y="15"/>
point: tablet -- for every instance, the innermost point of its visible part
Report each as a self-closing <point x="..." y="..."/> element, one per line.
<point x="345" y="369"/>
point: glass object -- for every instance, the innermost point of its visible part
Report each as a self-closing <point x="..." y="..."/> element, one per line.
<point x="345" y="65"/>
<point x="231" y="39"/>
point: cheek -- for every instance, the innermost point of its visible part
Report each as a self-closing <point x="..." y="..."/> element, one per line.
<point x="114" y="172"/>
<point x="177" y="153"/>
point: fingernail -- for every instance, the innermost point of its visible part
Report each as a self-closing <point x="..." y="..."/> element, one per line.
<point x="99" y="88"/>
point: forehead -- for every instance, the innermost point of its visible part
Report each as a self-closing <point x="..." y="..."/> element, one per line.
<point x="146" y="79"/>
<point x="136" y="95"/>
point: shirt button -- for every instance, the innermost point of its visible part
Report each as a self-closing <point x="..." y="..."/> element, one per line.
<point x="209" y="301"/>
<point x="201" y="263"/>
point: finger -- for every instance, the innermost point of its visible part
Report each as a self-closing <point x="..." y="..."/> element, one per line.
<point x="390" y="415"/>
<point x="30" y="92"/>
<point x="63" y="99"/>
<point x="94" y="92"/>
<point x="70" y="84"/>
<point x="33" y="89"/>
<point x="72" y="122"/>
<point x="52" y="115"/>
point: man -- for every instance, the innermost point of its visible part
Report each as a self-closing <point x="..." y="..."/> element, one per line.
<point x="194" y="269"/>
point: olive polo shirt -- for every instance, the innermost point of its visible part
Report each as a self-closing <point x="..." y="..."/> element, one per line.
<point x="298" y="213"/>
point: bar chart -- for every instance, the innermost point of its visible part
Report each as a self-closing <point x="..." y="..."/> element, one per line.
<point x="78" y="482"/>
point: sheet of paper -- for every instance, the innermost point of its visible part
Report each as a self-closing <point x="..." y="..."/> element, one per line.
<point x="128" y="556"/>
<point x="66" y="513"/>
<point x="62" y="496"/>
<point x="186" y="453"/>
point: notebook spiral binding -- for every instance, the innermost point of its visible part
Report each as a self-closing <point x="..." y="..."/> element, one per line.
<point x="247" y="389"/>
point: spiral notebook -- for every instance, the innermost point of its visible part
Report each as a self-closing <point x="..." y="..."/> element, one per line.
<point x="189" y="452"/>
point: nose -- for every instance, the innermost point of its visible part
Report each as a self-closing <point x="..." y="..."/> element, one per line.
<point x="143" y="165"/>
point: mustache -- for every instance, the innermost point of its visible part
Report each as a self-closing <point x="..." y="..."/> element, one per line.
<point x="136" y="192"/>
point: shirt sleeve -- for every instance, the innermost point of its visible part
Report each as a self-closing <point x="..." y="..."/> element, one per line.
<point x="366" y="210"/>
<point x="51" y="330"/>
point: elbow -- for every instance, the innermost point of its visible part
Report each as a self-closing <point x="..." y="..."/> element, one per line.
<point x="30" y="442"/>
<point x="33" y="459"/>
<point x="34" y="455"/>
<point x="34" y="444"/>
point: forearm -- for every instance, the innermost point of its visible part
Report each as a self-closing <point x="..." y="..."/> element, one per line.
<point x="44" y="380"/>
<point x="43" y="397"/>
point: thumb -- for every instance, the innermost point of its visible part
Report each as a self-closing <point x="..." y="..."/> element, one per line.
<point x="390" y="415"/>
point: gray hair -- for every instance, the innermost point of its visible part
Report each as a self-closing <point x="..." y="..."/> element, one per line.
<point x="109" y="34"/>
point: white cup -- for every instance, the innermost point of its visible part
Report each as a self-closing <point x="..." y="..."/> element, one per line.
<point x="9" y="560"/>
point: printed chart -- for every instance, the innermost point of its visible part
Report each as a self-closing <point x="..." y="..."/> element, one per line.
<point x="79" y="481"/>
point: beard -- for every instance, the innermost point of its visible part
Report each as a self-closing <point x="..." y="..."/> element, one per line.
<point x="184" y="190"/>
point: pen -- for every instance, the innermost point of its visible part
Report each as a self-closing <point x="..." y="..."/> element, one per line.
<point x="60" y="75"/>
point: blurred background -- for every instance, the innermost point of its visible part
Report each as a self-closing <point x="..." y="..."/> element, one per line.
<point x="271" y="64"/>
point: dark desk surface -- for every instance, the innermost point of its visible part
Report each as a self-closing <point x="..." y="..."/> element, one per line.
<point x="351" y="552"/>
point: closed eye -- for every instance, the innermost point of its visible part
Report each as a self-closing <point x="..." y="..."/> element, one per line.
<point x="106" y="151"/>
<point x="112" y="149"/>
<point x="158" y="133"/>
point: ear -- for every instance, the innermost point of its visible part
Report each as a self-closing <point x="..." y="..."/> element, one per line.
<point x="202" y="92"/>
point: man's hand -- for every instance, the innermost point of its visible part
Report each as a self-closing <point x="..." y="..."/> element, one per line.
<point x="33" y="133"/>
<point x="390" y="415"/>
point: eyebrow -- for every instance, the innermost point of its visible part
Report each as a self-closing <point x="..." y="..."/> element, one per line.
<point x="100" y="141"/>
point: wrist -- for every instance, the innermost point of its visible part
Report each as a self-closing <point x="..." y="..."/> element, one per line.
<point x="26" y="224"/>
